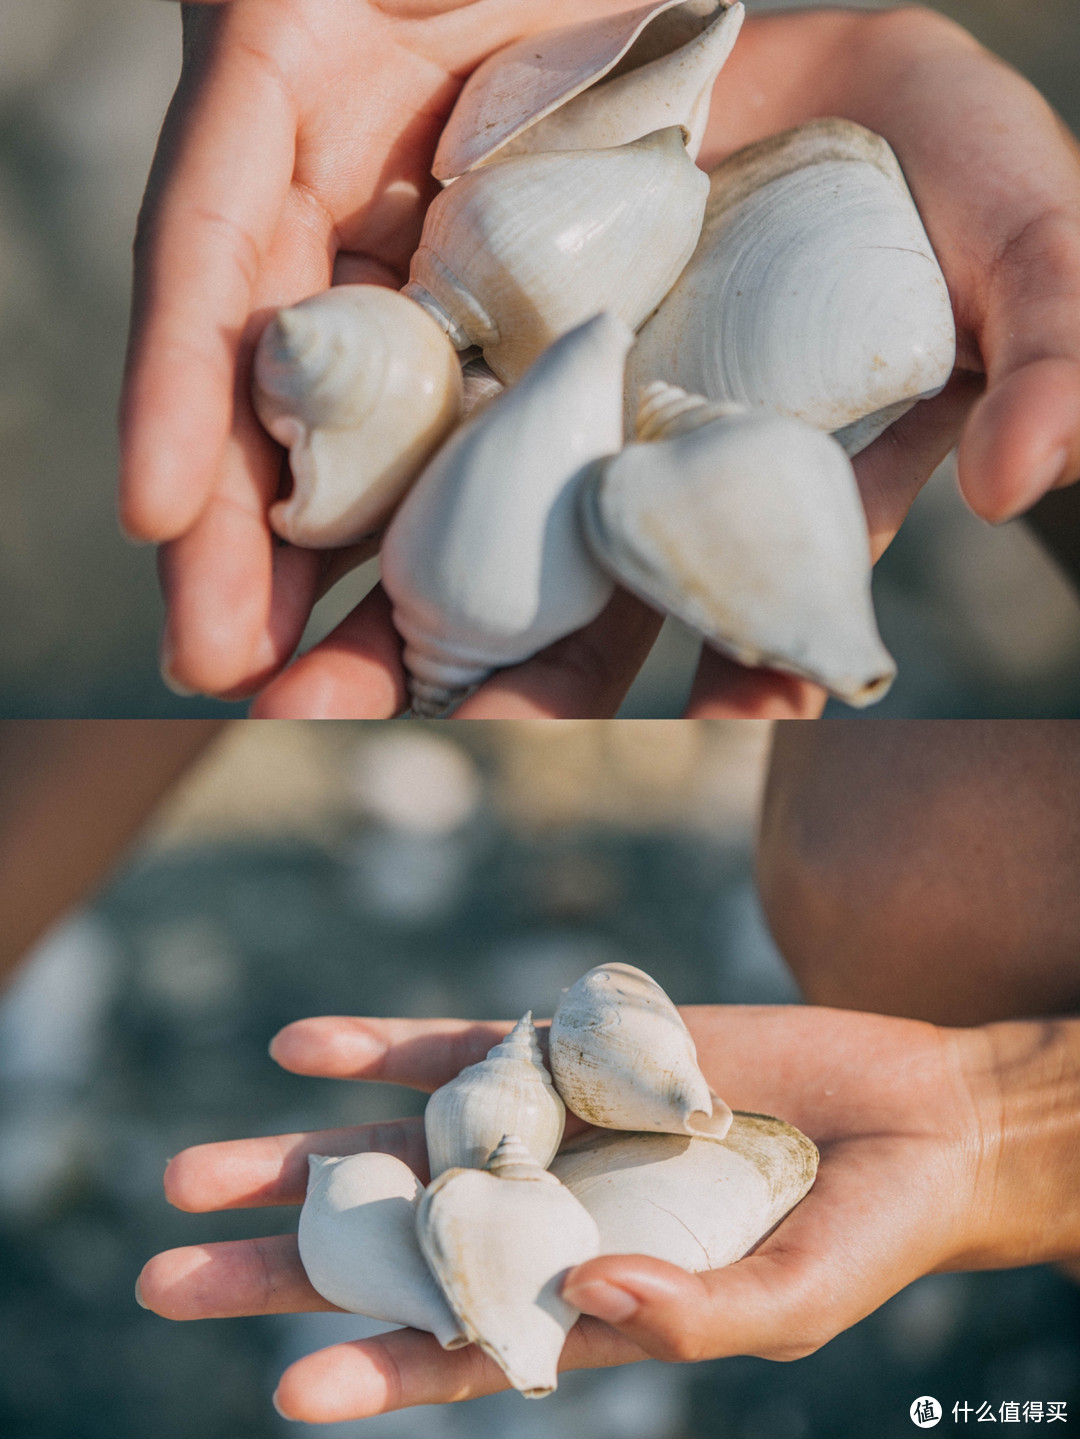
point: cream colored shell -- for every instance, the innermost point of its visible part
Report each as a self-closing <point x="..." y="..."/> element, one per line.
<point x="361" y="386"/>
<point x="500" y="1241"/>
<point x="604" y="82"/>
<point x="622" y="1057"/>
<point x="813" y="291"/>
<point x="690" y="1202"/>
<point x="509" y="1092"/>
<point x="751" y="530"/>
<point x="517" y="253"/>
<point x="359" y="1248"/>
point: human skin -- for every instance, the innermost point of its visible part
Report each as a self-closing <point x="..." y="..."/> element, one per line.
<point x="297" y="149"/>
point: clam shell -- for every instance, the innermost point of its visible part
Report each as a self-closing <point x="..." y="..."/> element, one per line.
<point x="589" y="86"/>
<point x="519" y="252"/>
<point x="484" y="561"/>
<point x="509" y="1092"/>
<point x="622" y="1057"/>
<point x="359" y="1248"/>
<point x="813" y="291"/>
<point x="690" y="1202"/>
<point x="751" y="530"/>
<point x="361" y="386"/>
<point x="500" y="1240"/>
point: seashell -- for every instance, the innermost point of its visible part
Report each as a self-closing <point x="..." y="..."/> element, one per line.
<point x="622" y="1057"/>
<point x="750" y="529"/>
<point x="519" y="252"/>
<point x="361" y="387"/>
<point x="480" y="383"/>
<point x="499" y="1240"/>
<point x="586" y="87"/>
<point x="359" y="1248"/>
<point x="485" y="562"/>
<point x="509" y="1092"/>
<point x="813" y="291"/>
<point x="690" y="1202"/>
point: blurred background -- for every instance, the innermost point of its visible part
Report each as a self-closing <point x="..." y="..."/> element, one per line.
<point x="388" y="869"/>
<point x="981" y="621"/>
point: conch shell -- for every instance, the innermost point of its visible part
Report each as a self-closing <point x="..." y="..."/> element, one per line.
<point x="749" y="527"/>
<point x="813" y="291"/>
<point x="520" y="251"/>
<point x="690" y="1202"/>
<point x="622" y="1057"/>
<point x="586" y="87"/>
<point x="484" y="561"/>
<point x="359" y="1248"/>
<point x="362" y="387"/>
<point x="500" y="1240"/>
<point x="509" y="1092"/>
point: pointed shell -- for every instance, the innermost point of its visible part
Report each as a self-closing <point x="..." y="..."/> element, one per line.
<point x="499" y="1242"/>
<point x="813" y="290"/>
<point x="519" y="252"/>
<point x="622" y="1057"/>
<point x="362" y="387"/>
<point x="509" y="1092"/>
<point x="690" y="1202"/>
<point x="485" y="562"/>
<point x="359" y="1248"/>
<point x="750" y="529"/>
<point x="605" y="82"/>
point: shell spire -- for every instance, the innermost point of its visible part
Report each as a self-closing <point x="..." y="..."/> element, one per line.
<point x="510" y="1159"/>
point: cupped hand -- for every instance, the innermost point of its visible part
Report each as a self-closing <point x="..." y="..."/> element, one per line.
<point x="297" y="150"/>
<point x="904" y="1114"/>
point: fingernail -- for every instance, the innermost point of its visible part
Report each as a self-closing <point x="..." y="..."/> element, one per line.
<point x="602" y="1300"/>
<point x="1043" y="478"/>
<point x="277" y="1406"/>
<point x="351" y="1048"/>
<point x="139" y="1300"/>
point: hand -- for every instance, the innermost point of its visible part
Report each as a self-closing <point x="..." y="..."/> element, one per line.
<point x="914" y="1136"/>
<point x="297" y="148"/>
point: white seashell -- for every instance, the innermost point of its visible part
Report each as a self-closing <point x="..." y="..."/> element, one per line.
<point x="519" y="252"/>
<point x="622" y="1057"/>
<point x="509" y="1092"/>
<point x="586" y="87"/>
<point x="359" y="1248"/>
<point x="690" y="1202"/>
<point x="751" y="530"/>
<point x="362" y="387"/>
<point x="485" y="562"/>
<point x="499" y="1240"/>
<point x="813" y="291"/>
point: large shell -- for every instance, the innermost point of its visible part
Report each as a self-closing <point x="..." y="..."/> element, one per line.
<point x="751" y="530"/>
<point x="690" y="1202"/>
<point x="361" y="386"/>
<point x="484" y="561"/>
<point x="813" y="291"/>
<point x="359" y="1248"/>
<point x="589" y="86"/>
<point x="623" y="1058"/>
<point x="500" y="1240"/>
<point x="509" y="1092"/>
<point x="520" y="251"/>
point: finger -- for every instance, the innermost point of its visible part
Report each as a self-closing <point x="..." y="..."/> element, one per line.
<point x="724" y="689"/>
<point x="420" y="1053"/>
<point x="224" y="1281"/>
<point x="405" y="1368"/>
<point x="256" y="1173"/>
<point x="584" y="676"/>
<point x="355" y="673"/>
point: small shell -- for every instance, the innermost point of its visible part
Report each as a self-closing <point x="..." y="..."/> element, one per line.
<point x="750" y="529"/>
<point x="481" y="385"/>
<point x="359" y="1248"/>
<point x="690" y="1202"/>
<point x="586" y="87"/>
<point x="485" y="562"/>
<point x="813" y="290"/>
<point x="362" y="387"/>
<point x="623" y="1058"/>
<point x="509" y="1092"/>
<point x="519" y="252"/>
<point x="499" y="1240"/>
